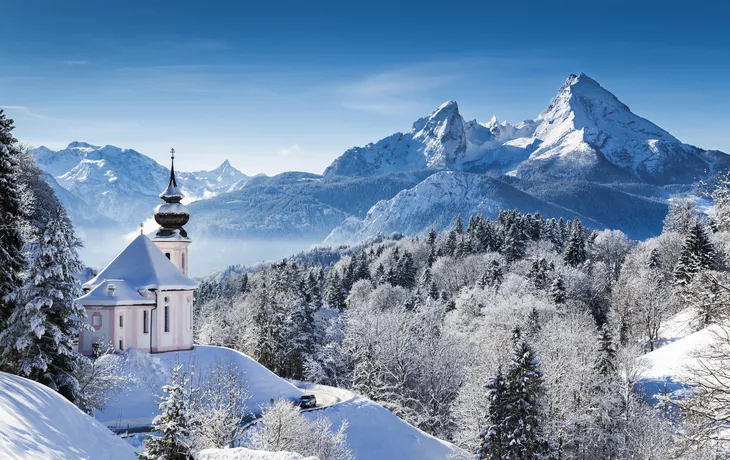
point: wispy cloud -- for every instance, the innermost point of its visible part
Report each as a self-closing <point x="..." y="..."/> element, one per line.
<point x="290" y="150"/>
<point x="25" y="110"/>
<point x="73" y="62"/>
<point x="395" y="91"/>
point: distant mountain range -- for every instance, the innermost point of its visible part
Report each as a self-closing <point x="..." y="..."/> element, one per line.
<point x="108" y="185"/>
<point x="585" y="155"/>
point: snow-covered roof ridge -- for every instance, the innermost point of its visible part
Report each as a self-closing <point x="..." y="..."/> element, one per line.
<point x="143" y="266"/>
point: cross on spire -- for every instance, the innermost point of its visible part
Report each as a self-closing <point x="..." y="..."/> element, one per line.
<point x="172" y="154"/>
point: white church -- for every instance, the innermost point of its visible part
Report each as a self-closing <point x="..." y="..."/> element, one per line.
<point x="144" y="299"/>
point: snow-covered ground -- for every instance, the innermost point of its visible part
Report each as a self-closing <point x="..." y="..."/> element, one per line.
<point x="373" y="432"/>
<point x="38" y="423"/>
<point x="241" y="453"/>
<point x="664" y="369"/>
<point x="137" y="406"/>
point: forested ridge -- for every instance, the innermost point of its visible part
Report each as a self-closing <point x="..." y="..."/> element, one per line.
<point x="522" y="332"/>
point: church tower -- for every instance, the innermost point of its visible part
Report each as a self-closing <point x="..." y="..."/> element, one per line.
<point x="171" y="238"/>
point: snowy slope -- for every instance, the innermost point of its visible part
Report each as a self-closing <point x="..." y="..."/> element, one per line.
<point x="438" y="200"/>
<point x="374" y="433"/>
<point x="241" y="453"/>
<point x="667" y="368"/>
<point x="138" y="406"/>
<point x="38" y="423"/>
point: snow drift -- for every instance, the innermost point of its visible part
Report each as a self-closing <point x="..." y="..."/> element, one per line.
<point x="37" y="422"/>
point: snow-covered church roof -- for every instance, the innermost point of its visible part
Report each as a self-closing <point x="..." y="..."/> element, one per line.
<point x="114" y="292"/>
<point x="141" y="265"/>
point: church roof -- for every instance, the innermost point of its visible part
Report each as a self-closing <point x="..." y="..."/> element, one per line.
<point x="114" y="292"/>
<point x="143" y="266"/>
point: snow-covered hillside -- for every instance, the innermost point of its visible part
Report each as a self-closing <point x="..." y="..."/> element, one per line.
<point x="38" y="423"/>
<point x="137" y="406"/>
<point x="241" y="453"/>
<point x="375" y="433"/>
<point x="122" y="184"/>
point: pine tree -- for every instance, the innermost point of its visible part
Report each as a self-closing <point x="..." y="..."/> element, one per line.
<point x="539" y="273"/>
<point x="533" y="322"/>
<point x="654" y="259"/>
<point x="514" y="244"/>
<point x="459" y="225"/>
<point x="575" y="254"/>
<point x="38" y="340"/>
<point x="405" y="272"/>
<point x="12" y="220"/>
<point x="451" y="244"/>
<point x="334" y="294"/>
<point x="524" y="391"/>
<point x="606" y="359"/>
<point x="494" y="442"/>
<point x="174" y="422"/>
<point x="557" y="290"/>
<point x="492" y="277"/>
<point x="431" y="237"/>
<point x="697" y="254"/>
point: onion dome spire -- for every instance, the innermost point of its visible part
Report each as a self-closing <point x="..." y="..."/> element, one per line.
<point x="172" y="214"/>
<point x="172" y="194"/>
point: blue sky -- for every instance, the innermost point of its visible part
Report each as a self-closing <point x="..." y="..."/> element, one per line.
<point x="277" y="86"/>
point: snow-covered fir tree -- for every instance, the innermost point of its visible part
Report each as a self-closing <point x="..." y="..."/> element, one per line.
<point x="524" y="391"/>
<point x="174" y="423"/>
<point x="575" y="252"/>
<point x="38" y="340"/>
<point x="697" y="254"/>
<point x="13" y="212"/>
<point x="494" y="440"/>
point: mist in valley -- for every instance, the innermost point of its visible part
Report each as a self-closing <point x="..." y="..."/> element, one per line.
<point x="206" y="254"/>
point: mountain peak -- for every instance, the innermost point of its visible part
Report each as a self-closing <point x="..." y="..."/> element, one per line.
<point x="447" y="112"/>
<point x="81" y="145"/>
<point x="448" y="105"/>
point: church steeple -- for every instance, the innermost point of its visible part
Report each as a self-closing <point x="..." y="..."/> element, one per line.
<point x="172" y="194"/>
<point x="172" y="214"/>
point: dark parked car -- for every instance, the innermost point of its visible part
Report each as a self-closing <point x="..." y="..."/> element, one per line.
<point x="307" y="401"/>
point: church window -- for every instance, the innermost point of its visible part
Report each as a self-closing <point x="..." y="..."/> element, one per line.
<point x="96" y="321"/>
<point x="167" y="318"/>
<point x="167" y="254"/>
<point x="183" y="262"/>
<point x="145" y="322"/>
<point x="121" y="345"/>
<point x="121" y="320"/>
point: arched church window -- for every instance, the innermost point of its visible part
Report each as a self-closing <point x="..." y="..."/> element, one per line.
<point x="167" y="254"/>
<point x="183" y="262"/>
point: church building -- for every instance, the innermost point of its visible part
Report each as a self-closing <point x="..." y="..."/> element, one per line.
<point x="144" y="299"/>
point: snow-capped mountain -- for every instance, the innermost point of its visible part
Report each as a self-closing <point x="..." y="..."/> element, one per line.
<point x="123" y="184"/>
<point x="440" y="141"/>
<point x="585" y="133"/>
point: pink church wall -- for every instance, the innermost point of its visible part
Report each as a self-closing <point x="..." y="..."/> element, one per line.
<point x="180" y="336"/>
